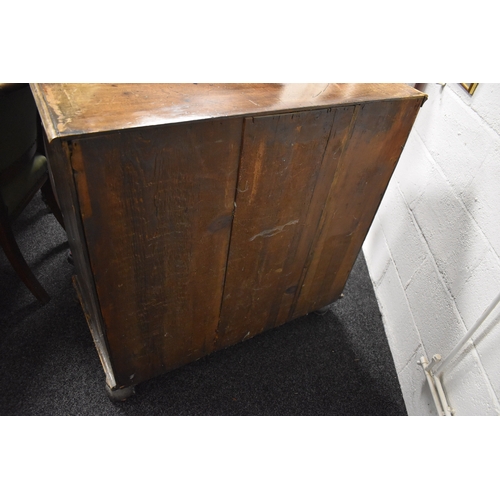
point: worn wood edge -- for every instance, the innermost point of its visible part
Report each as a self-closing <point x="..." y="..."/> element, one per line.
<point x="96" y="324"/>
<point x="59" y="151"/>
<point x="53" y="132"/>
<point x="100" y="345"/>
<point x="82" y="135"/>
<point x="45" y="114"/>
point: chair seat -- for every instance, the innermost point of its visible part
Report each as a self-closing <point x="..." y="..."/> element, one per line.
<point x="29" y="175"/>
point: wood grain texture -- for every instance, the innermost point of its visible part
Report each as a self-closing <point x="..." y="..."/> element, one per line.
<point x="62" y="175"/>
<point x="379" y="133"/>
<point x="157" y="209"/>
<point x="70" y="110"/>
<point x="287" y="166"/>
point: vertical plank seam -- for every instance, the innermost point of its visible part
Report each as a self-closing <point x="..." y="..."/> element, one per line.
<point x="297" y="237"/>
<point x="324" y="283"/>
<point x="236" y="184"/>
<point x="321" y="223"/>
<point x="353" y="243"/>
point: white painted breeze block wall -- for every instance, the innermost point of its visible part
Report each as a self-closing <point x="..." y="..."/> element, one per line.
<point x="433" y="251"/>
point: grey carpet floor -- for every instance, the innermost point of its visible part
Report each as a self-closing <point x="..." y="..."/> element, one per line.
<point x="335" y="364"/>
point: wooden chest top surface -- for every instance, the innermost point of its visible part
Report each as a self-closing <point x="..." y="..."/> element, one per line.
<point x="71" y="110"/>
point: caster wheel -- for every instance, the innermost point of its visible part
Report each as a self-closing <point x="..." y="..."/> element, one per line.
<point x="118" y="395"/>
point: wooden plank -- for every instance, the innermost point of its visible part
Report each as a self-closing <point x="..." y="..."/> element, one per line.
<point x="70" y="110"/>
<point x="378" y="137"/>
<point x="62" y="176"/>
<point x="287" y="166"/>
<point x="157" y="208"/>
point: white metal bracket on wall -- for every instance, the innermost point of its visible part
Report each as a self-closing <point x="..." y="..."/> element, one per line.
<point x="434" y="369"/>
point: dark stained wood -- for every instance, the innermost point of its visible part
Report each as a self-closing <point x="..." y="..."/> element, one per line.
<point x="379" y="133"/>
<point x="287" y="166"/>
<point x="157" y="209"/>
<point x="62" y="175"/>
<point x="69" y="110"/>
<point x="201" y="215"/>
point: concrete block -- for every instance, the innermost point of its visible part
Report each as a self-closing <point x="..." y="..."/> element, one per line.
<point x="485" y="102"/>
<point x="453" y="237"/>
<point x="440" y="264"/>
<point x="455" y="136"/>
<point x="482" y="198"/>
<point x="400" y="328"/>
<point x="407" y="246"/>
<point x="376" y="252"/>
<point x="434" y="313"/>
<point x="414" y="168"/>
<point x="481" y="287"/>
<point x="467" y="388"/>
<point x="476" y="295"/>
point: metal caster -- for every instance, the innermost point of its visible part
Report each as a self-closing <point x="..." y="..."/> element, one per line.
<point x="119" y="395"/>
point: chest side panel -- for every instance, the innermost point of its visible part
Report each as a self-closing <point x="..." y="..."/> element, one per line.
<point x="287" y="165"/>
<point x="157" y="208"/>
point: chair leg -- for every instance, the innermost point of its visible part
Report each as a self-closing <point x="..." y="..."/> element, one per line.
<point x="50" y="199"/>
<point x="16" y="258"/>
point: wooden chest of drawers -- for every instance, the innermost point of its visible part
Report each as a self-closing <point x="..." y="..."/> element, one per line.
<point x="201" y="215"/>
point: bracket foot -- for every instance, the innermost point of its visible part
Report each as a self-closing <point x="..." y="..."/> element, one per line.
<point x="118" y="395"/>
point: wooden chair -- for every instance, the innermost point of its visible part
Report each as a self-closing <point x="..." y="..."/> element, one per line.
<point x="23" y="171"/>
